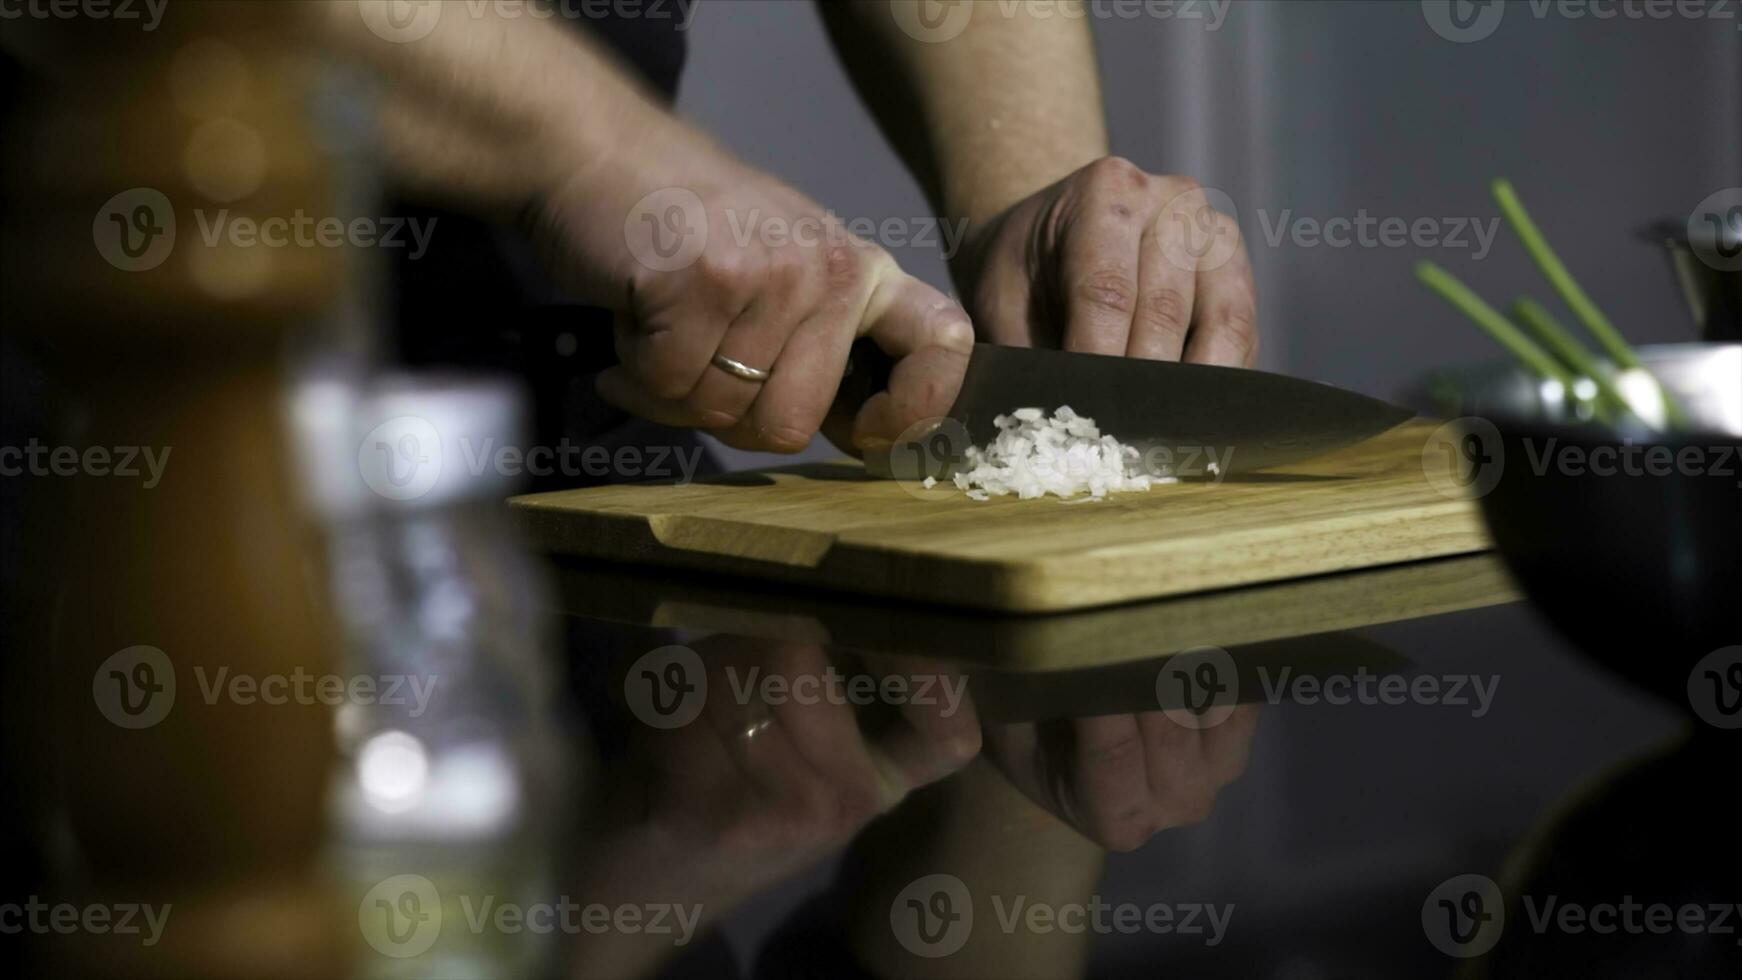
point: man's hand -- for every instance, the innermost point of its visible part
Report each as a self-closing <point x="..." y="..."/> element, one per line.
<point x="1121" y="779"/>
<point x="1000" y="118"/>
<point x="759" y="787"/>
<point x="700" y="255"/>
<point x="1112" y="260"/>
<point x="696" y="252"/>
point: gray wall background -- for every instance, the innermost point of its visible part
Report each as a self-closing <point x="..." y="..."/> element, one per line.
<point x="1322" y="109"/>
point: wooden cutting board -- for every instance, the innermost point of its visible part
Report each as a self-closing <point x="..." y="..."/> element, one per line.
<point x="1274" y="612"/>
<point x="828" y="525"/>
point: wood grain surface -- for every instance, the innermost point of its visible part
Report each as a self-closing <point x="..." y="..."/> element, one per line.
<point x="1277" y="612"/>
<point x="828" y="525"/>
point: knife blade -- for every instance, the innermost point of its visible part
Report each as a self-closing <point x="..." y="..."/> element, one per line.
<point x="1245" y="420"/>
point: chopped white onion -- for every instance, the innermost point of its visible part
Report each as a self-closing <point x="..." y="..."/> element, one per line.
<point x="1064" y="455"/>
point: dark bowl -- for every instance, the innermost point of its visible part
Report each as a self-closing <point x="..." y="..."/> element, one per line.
<point x="1628" y="539"/>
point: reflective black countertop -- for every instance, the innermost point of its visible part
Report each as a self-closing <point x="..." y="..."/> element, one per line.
<point x="1396" y="772"/>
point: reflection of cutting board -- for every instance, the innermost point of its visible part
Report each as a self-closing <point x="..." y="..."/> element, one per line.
<point x="654" y="598"/>
<point x="827" y="525"/>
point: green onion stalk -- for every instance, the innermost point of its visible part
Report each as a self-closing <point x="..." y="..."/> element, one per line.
<point x="1575" y="296"/>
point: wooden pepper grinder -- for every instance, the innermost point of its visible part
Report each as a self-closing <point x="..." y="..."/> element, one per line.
<point x="182" y="779"/>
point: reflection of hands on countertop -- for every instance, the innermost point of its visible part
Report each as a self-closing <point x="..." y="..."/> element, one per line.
<point x="777" y="767"/>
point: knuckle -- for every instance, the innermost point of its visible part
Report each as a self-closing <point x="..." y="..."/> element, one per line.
<point x="788" y="268"/>
<point x="1234" y="770"/>
<point x="962" y="749"/>
<point x="854" y="808"/>
<point x="958" y="742"/>
<point x="843" y="267"/>
<point x="733" y="272"/>
<point x="871" y="263"/>
<point x="812" y="812"/>
<point x="1227" y="229"/>
<point x="1112" y="290"/>
<point x="772" y="832"/>
<point x="709" y="414"/>
<point x="734" y="437"/>
<point x="1177" y="184"/>
<point x="654" y="359"/>
<point x="667" y="386"/>
<point x="1166" y="310"/>
<point x="1198" y="809"/>
<point x="1123" y="836"/>
<point x="720" y="265"/>
<point x="779" y="424"/>
<point x="1181" y="191"/>
<point x="1122" y="750"/>
<point x="1238" y="325"/>
<point x="951" y="328"/>
<point x="782" y="438"/>
<point x="1116" y="171"/>
<point x="930" y="394"/>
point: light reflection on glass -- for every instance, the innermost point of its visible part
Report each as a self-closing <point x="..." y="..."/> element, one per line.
<point x="393" y="770"/>
<point x="1643" y="395"/>
<point x="476" y="790"/>
<point x="1718" y="379"/>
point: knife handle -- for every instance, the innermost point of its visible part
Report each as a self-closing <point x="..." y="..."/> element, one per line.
<point x="867" y="373"/>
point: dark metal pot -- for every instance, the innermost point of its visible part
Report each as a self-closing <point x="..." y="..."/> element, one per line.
<point x="1706" y="259"/>
<point x="1639" y="564"/>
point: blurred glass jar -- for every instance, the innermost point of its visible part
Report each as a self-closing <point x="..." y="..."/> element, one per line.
<point x="452" y="779"/>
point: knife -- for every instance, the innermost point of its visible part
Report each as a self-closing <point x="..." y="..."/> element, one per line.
<point x="1245" y="420"/>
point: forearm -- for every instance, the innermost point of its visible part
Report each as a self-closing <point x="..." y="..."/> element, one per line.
<point x="489" y="111"/>
<point x="976" y="827"/>
<point x="984" y="118"/>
